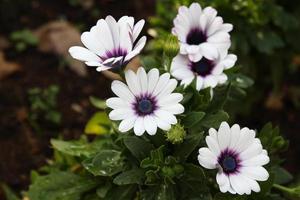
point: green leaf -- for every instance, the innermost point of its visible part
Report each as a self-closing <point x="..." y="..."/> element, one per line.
<point x="166" y="192"/>
<point x="183" y="150"/>
<point x="105" y="163"/>
<point x="282" y="176"/>
<point x="155" y="159"/>
<point x="78" y="147"/>
<point x="214" y="120"/>
<point x="222" y="196"/>
<point x="192" y="119"/>
<point x="9" y="194"/>
<point x="61" y="186"/>
<point x="98" y="103"/>
<point x="126" y="192"/>
<point x="133" y="176"/>
<point x="139" y="148"/>
<point x="103" y="189"/>
<point x="99" y="124"/>
<point x="194" y="172"/>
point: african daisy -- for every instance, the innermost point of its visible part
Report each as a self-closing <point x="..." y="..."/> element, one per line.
<point x="238" y="156"/>
<point x="200" y="31"/>
<point x="146" y="102"/>
<point x="110" y="44"/>
<point x="208" y="71"/>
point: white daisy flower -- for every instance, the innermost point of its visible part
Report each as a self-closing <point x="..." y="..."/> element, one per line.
<point x="146" y="102"/>
<point x="201" y="30"/>
<point x="110" y="44"/>
<point x="208" y="71"/>
<point x="238" y="156"/>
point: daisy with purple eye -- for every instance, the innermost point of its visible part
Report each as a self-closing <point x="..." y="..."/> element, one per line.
<point x="146" y="102"/>
<point x="208" y="71"/>
<point x="199" y="31"/>
<point x="110" y="44"/>
<point x="238" y="156"/>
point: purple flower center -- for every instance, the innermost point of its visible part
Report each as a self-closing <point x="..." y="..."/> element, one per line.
<point x="203" y="67"/>
<point x="229" y="161"/>
<point x="145" y="105"/>
<point x="116" y="52"/>
<point x="196" y="36"/>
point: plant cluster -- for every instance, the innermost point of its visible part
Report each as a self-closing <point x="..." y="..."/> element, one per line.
<point x="157" y="139"/>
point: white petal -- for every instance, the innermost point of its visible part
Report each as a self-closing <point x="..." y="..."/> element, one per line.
<point x="229" y="61"/>
<point x="195" y="11"/>
<point x="215" y="26"/>
<point x="162" y="124"/>
<point x="139" y="127"/>
<point x="210" y="81"/>
<point x="153" y="76"/>
<point x="238" y="184"/>
<point x="213" y="133"/>
<point x="119" y="114"/>
<point x="143" y="79"/>
<point x="183" y="73"/>
<point x="252" y="184"/>
<point x="170" y="87"/>
<point x="104" y="34"/>
<point x="83" y="54"/>
<point x="137" y="29"/>
<point x="253" y="150"/>
<point x="170" y="99"/>
<point x="209" y="51"/>
<point x="114" y="29"/>
<point x="137" y="49"/>
<point x="116" y="103"/>
<point x="206" y="152"/>
<point x="245" y="140"/>
<point x="166" y="116"/>
<point x="223" y="182"/>
<point x="257" y="173"/>
<point x="174" y="109"/>
<point x="125" y="37"/>
<point x="235" y="135"/>
<point x="224" y="135"/>
<point x="127" y="124"/>
<point x="94" y="64"/>
<point x="199" y="83"/>
<point x="259" y="160"/>
<point x="150" y="124"/>
<point x="213" y="145"/>
<point x="133" y="82"/>
<point x="121" y="90"/>
<point x="162" y="81"/>
<point x="92" y="43"/>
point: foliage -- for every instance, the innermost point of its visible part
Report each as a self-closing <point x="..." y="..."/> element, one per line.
<point x="265" y="39"/>
<point x="23" y="39"/>
<point x="43" y="108"/>
<point x="111" y="165"/>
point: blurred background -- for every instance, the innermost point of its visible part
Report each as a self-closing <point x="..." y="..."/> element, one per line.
<point x="45" y="94"/>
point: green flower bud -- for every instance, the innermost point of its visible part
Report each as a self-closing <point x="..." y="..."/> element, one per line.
<point x="171" y="46"/>
<point x="176" y="134"/>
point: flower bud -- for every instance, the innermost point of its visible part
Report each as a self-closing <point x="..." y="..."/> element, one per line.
<point x="176" y="134"/>
<point x="171" y="46"/>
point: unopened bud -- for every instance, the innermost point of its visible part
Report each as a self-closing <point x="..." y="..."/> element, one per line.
<point x="176" y="134"/>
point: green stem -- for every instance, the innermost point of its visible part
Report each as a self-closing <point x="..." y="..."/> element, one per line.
<point x="283" y="188"/>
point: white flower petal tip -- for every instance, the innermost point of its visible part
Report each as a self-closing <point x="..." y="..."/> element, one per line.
<point x="238" y="156"/>
<point x="208" y="71"/>
<point x="146" y="102"/>
<point x="110" y="44"/>
<point x="196" y="27"/>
